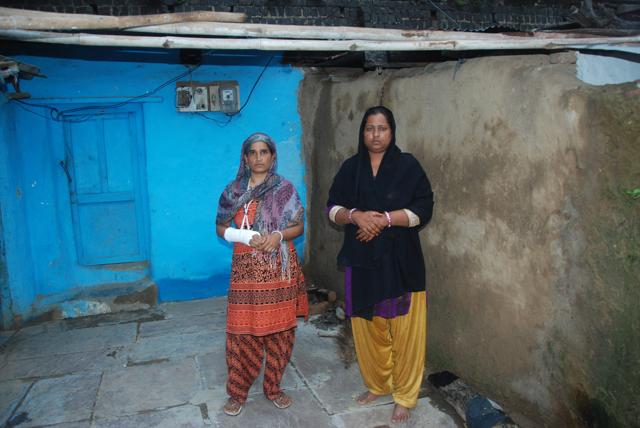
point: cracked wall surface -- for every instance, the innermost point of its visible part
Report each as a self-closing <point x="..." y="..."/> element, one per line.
<point x="533" y="253"/>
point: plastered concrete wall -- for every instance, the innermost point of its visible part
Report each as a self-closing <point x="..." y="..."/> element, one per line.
<point x="533" y="259"/>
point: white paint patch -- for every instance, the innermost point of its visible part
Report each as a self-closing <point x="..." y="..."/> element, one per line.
<point x="81" y="308"/>
<point x="606" y="70"/>
<point x="534" y="391"/>
<point x="572" y="118"/>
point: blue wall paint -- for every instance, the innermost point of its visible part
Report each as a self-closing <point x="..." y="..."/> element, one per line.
<point x="192" y="159"/>
<point x="189" y="160"/>
<point x="47" y="207"/>
<point x="6" y="300"/>
<point x="19" y="291"/>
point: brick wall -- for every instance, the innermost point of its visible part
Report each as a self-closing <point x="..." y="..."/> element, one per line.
<point x="405" y="14"/>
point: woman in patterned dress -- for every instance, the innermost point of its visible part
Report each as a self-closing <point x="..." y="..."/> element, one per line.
<point x="267" y="290"/>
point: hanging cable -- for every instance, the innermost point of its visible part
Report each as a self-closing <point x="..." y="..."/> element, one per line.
<point x="220" y="123"/>
<point x="442" y="11"/>
<point x="61" y="115"/>
<point x="254" y="86"/>
<point x="232" y="115"/>
<point x="64" y="115"/>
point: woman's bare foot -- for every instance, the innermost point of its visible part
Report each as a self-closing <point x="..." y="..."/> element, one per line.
<point x="366" y="398"/>
<point x="400" y="413"/>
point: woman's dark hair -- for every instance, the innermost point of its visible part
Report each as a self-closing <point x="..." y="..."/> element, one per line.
<point x="388" y="114"/>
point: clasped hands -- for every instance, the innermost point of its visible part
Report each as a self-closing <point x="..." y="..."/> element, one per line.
<point x="370" y="224"/>
<point x="267" y="243"/>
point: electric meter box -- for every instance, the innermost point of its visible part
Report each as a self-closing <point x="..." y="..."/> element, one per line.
<point x="222" y="96"/>
<point x="192" y="97"/>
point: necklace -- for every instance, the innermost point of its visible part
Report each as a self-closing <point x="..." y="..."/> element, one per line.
<point x="245" y="217"/>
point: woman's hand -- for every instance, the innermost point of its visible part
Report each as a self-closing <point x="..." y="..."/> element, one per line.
<point x="257" y="241"/>
<point x="267" y="243"/>
<point x="370" y="224"/>
<point x="363" y="236"/>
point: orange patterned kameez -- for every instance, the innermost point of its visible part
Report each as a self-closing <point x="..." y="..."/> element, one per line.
<point x="261" y="299"/>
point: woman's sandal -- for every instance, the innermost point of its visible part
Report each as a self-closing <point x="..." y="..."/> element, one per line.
<point x="282" y="401"/>
<point x="232" y="407"/>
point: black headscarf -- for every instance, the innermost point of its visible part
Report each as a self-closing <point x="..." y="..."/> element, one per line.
<point x="393" y="260"/>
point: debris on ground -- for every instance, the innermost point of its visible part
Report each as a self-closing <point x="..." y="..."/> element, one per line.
<point x="477" y="410"/>
<point x="321" y="300"/>
<point x="327" y="315"/>
<point x="326" y="320"/>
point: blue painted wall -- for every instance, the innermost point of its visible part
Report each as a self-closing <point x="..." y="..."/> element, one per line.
<point x="18" y="291"/>
<point x="189" y="159"/>
<point x="5" y="295"/>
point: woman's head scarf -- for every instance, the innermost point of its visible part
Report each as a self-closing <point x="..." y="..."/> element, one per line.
<point x="388" y="114"/>
<point x="364" y="162"/>
<point x="279" y="204"/>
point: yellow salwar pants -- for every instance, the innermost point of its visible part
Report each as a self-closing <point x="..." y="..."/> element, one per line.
<point x="391" y="352"/>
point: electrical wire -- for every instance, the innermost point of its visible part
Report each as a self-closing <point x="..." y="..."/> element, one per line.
<point x="442" y="11"/>
<point x="254" y="86"/>
<point x="20" y="104"/>
<point x="63" y="115"/>
<point x="220" y="123"/>
<point x="232" y="115"/>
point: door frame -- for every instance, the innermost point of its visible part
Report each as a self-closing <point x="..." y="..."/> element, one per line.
<point x="140" y="178"/>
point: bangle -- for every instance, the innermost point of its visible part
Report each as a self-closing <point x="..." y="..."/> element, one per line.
<point x="351" y="214"/>
<point x="281" y="235"/>
<point x="388" y="218"/>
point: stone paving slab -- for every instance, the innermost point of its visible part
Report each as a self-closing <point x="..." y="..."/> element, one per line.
<point x="260" y="412"/>
<point x="11" y="393"/>
<point x="317" y="359"/>
<point x="45" y="327"/>
<point x="425" y="415"/>
<point x="60" y="400"/>
<point x="148" y="372"/>
<point x="213" y="369"/>
<point x="24" y="346"/>
<point x="5" y="335"/>
<point x="110" y="318"/>
<point x="184" y="325"/>
<point x="57" y="365"/>
<point x="80" y="424"/>
<point x="194" y="307"/>
<point x="129" y="390"/>
<point x="175" y="346"/>
<point x="187" y="416"/>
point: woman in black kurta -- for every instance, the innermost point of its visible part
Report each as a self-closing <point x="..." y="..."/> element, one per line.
<point x="383" y="197"/>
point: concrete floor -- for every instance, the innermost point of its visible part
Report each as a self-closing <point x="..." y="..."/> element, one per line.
<point x="165" y="367"/>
